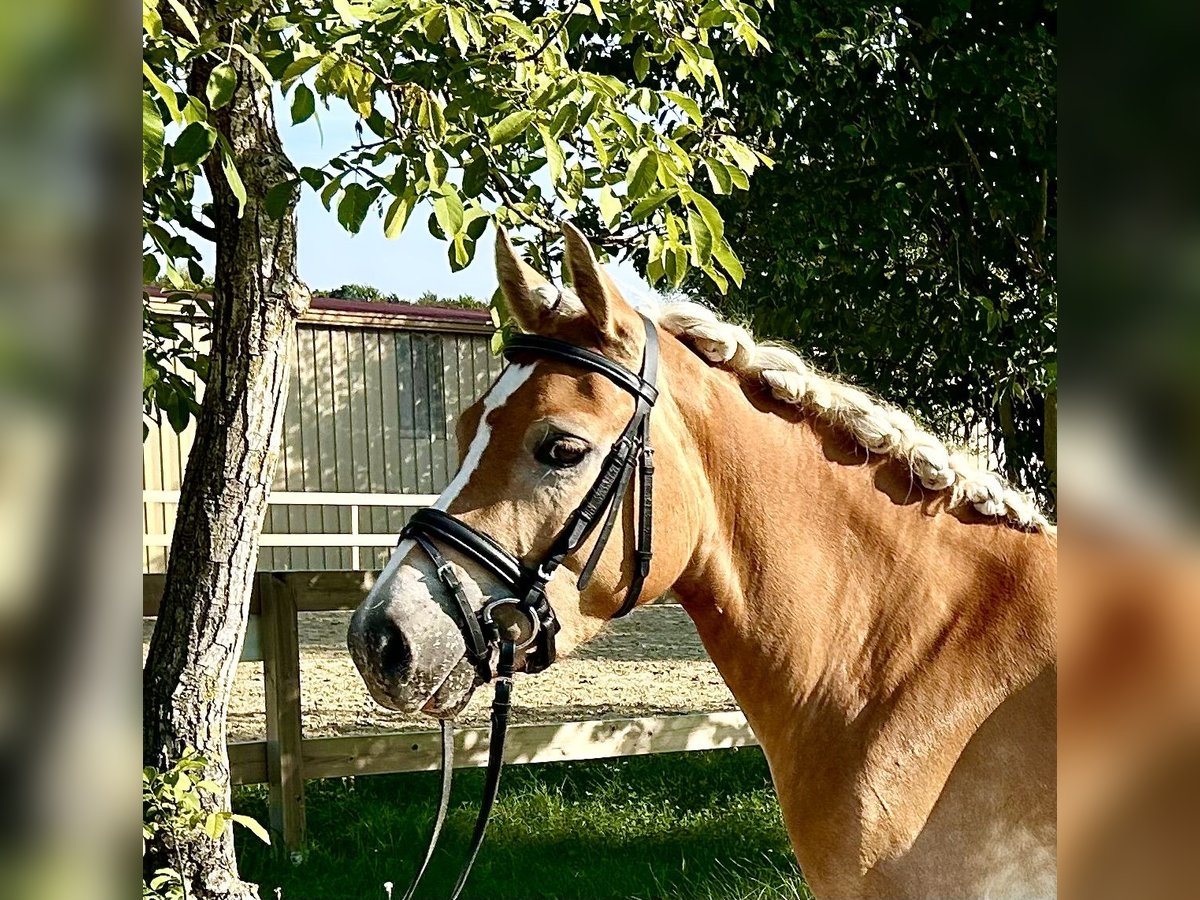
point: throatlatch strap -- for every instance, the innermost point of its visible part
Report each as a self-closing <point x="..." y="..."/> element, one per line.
<point x="643" y="551"/>
<point x="443" y="805"/>
<point x="500" y="707"/>
<point x="616" y="501"/>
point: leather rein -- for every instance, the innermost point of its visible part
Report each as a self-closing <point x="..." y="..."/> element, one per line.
<point x="526" y="583"/>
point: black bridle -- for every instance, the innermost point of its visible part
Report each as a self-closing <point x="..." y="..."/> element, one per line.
<point x="526" y="583"/>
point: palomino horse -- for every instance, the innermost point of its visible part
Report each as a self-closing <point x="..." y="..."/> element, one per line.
<point x="883" y="610"/>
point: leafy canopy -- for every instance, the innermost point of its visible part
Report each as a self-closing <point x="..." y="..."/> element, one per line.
<point x="907" y="235"/>
<point x="485" y="111"/>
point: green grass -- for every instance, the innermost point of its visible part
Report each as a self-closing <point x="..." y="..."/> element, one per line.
<point x="688" y="825"/>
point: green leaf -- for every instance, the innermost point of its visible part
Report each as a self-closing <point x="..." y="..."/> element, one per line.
<point x="315" y="178"/>
<point x="397" y="215"/>
<point x="603" y="155"/>
<point x="304" y="104"/>
<point x="256" y="63"/>
<point x="676" y="266"/>
<point x="610" y="206"/>
<point x="641" y="64"/>
<point x="165" y="91"/>
<point x="458" y="28"/>
<point x="149" y="376"/>
<point x="150" y="268"/>
<point x="355" y="203"/>
<point x="460" y="251"/>
<point x="709" y="213"/>
<point x="718" y="176"/>
<point x="474" y="29"/>
<point x="475" y="176"/>
<point x="151" y="20"/>
<point x="299" y="66"/>
<point x="153" y="133"/>
<point x="598" y="10"/>
<point x="252" y="826"/>
<point x="221" y="84"/>
<point x="643" y="170"/>
<point x="330" y="190"/>
<point x="649" y="204"/>
<point x="214" y="825"/>
<point x="186" y="18"/>
<point x="554" y="154"/>
<point x="346" y="12"/>
<point x="689" y="106"/>
<point x="741" y="154"/>
<point x="193" y="145"/>
<point x="475" y="222"/>
<point x="437" y="167"/>
<point x="448" y="209"/>
<point x="510" y="127"/>
<point x="565" y="119"/>
<point x="278" y="198"/>
<point x="194" y="110"/>
<point x="723" y="254"/>
<point x="229" y="167"/>
<point x="717" y="278"/>
<point x="701" y="237"/>
<point x="431" y="117"/>
<point x="433" y="23"/>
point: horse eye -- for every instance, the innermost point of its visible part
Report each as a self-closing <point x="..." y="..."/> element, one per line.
<point x="562" y="451"/>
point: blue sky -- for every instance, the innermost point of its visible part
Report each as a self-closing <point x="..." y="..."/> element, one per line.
<point x="409" y="265"/>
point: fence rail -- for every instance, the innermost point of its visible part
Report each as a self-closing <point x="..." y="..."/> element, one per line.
<point x="285" y="758"/>
<point x="354" y="539"/>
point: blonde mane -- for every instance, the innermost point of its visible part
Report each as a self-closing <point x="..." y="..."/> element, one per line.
<point x="878" y="427"/>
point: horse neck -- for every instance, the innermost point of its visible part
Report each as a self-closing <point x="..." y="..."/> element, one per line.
<point x="863" y="633"/>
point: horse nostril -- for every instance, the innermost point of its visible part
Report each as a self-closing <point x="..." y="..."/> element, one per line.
<point x="395" y="654"/>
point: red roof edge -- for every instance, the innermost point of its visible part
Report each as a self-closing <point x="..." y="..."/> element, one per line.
<point x="336" y="304"/>
<point x="443" y="313"/>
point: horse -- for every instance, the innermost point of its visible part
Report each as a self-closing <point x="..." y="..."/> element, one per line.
<point x="882" y="609"/>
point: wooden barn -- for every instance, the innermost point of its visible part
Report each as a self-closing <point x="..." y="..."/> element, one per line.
<point x="368" y="433"/>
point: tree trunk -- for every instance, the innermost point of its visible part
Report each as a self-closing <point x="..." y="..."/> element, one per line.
<point x="188" y="676"/>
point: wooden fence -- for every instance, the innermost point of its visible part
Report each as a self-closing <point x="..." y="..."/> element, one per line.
<point x="285" y="759"/>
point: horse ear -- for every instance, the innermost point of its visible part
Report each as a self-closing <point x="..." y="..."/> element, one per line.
<point x="532" y="300"/>
<point x="596" y="291"/>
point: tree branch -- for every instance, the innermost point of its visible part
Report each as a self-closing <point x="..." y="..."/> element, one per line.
<point x="566" y="17"/>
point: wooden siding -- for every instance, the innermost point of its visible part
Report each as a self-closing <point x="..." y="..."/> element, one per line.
<point x="370" y="410"/>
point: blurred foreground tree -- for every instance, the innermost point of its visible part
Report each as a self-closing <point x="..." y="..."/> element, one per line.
<point x="482" y="112"/>
<point x="907" y="234"/>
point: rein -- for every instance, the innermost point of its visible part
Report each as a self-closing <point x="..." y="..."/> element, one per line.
<point x="526" y="583"/>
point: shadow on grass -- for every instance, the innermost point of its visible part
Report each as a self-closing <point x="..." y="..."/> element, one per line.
<point x="693" y="825"/>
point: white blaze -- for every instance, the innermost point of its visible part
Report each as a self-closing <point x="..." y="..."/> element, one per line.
<point x="506" y="385"/>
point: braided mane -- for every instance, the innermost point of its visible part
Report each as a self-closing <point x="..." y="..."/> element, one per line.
<point x="876" y="426"/>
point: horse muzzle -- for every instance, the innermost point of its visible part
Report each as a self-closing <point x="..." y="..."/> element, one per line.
<point x="411" y="656"/>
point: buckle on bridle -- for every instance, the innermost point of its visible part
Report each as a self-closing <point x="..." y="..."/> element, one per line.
<point x="446" y="574"/>
<point x="535" y="624"/>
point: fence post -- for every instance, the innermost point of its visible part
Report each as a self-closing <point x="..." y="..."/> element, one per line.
<point x="281" y="680"/>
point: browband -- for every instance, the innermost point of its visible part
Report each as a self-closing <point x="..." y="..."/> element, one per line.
<point x="579" y="356"/>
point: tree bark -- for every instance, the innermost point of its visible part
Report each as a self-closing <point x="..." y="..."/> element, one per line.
<point x="197" y="640"/>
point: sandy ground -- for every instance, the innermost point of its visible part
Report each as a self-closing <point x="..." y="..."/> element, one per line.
<point x="650" y="663"/>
